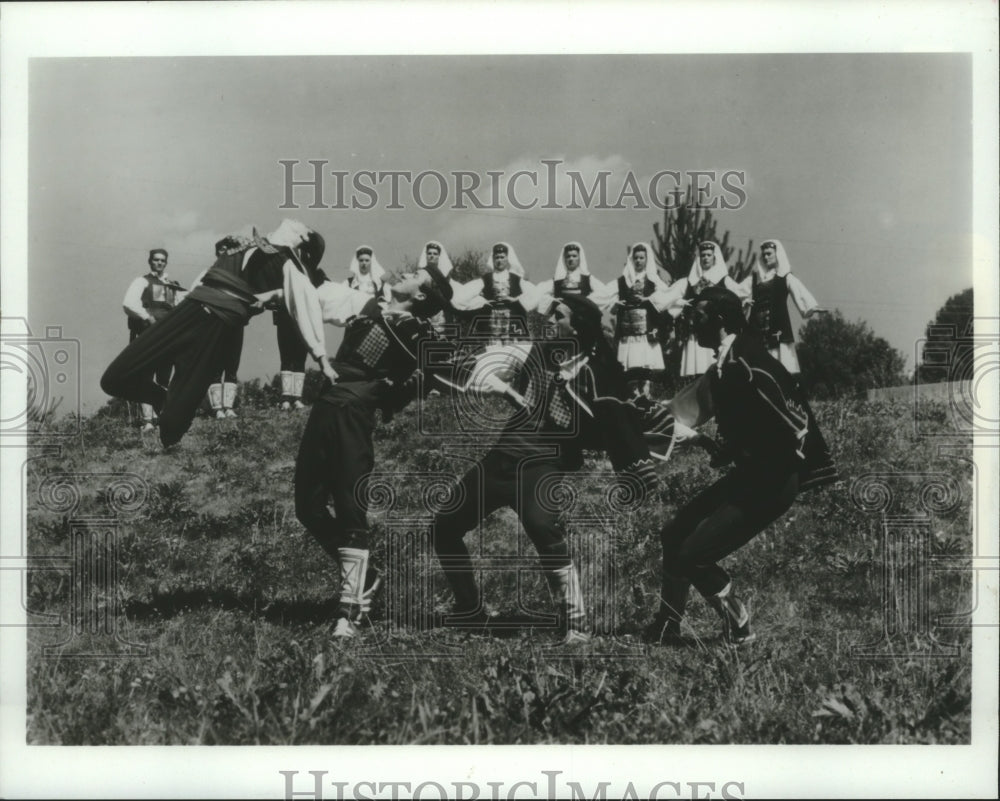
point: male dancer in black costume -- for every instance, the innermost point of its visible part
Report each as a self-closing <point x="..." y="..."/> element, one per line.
<point x="374" y="368"/>
<point x="199" y="334"/>
<point x="580" y="405"/>
<point x="768" y="432"/>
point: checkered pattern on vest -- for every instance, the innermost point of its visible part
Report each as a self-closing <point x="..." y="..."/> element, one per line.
<point x="560" y="410"/>
<point x="373" y="346"/>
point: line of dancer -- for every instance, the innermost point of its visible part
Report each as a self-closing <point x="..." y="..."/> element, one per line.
<point x="590" y="396"/>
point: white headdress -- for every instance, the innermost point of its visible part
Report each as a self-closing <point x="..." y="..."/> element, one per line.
<point x="652" y="265"/>
<point x="376" y="271"/>
<point x="561" y="266"/>
<point x="513" y="263"/>
<point x="783" y="268"/>
<point x="444" y="262"/>
<point x="718" y="271"/>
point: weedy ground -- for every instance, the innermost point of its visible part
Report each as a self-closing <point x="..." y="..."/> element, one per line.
<point x="211" y="622"/>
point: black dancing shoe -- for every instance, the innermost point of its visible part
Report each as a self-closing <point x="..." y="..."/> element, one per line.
<point x="665" y="631"/>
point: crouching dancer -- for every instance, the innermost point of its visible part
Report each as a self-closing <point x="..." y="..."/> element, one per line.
<point x="199" y="335"/>
<point x="374" y="369"/>
<point x="768" y="431"/>
<point x="565" y="408"/>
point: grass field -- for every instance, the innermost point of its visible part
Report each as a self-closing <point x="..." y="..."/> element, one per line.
<point x="210" y="621"/>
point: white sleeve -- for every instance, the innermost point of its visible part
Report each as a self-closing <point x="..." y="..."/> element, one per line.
<point x="605" y="296"/>
<point x="339" y="302"/>
<point x="670" y="298"/>
<point x="802" y="297"/>
<point x="469" y="296"/>
<point x="545" y="297"/>
<point x="743" y="289"/>
<point x="302" y="303"/>
<point x="133" y="300"/>
<point x="529" y="296"/>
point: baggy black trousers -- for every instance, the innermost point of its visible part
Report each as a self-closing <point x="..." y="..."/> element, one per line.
<point x="231" y="365"/>
<point x="499" y="479"/>
<point x="292" y="350"/>
<point x="717" y="522"/>
<point x="335" y="458"/>
<point x="192" y="339"/>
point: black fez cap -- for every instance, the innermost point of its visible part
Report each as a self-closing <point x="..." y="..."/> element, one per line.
<point x="311" y="250"/>
<point x="500" y="247"/>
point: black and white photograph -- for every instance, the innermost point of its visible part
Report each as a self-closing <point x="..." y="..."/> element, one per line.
<point x="499" y="401"/>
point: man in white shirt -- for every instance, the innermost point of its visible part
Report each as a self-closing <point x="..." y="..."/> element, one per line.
<point x="148" y="299"/>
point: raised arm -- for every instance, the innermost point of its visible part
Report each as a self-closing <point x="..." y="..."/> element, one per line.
<point x="802" y="297"/>
<point x="339" y="302"/>
<point x="671" y="298"/>
<point x="302" y="302"/>
<point x="530" y="295"/>
<point x="606" y="295"/>
<point x="468" y="297"/>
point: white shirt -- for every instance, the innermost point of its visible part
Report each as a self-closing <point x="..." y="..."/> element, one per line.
<point x="133" y="298"/>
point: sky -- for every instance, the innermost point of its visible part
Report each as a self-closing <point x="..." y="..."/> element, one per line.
<point x="861" y="164"/>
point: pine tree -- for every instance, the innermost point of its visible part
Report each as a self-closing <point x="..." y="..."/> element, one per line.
<point x="948" y="351"/>
<point x="676" y="244"/>
<point x="686" y="226"/>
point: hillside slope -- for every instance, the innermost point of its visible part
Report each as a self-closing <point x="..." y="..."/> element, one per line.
<point x="215" y="626"/>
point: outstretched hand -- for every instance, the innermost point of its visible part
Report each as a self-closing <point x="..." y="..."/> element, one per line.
<point x="327" y="368"/>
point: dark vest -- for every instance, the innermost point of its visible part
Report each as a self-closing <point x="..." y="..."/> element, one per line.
<point x="583" y="289"/>
<point x="489" y="289"/>
<point x="769" y="315"/>
<point x="633" y="295"/>
<point x="157" y="298"/>
<point x="509" y="320"/>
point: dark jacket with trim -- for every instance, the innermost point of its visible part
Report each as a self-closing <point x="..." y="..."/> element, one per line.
<point x="763" y="417"/>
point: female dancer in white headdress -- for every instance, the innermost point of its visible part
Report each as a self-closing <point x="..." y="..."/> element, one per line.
<point x="504" y="293"/>
<point x="366" y="274"/>
<point x="435" y="255"/>
<point x="640" y="297"/>
<point x="708" y="269"/>
<point x="572" y="276"/>
<point x="773" y="283"/>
